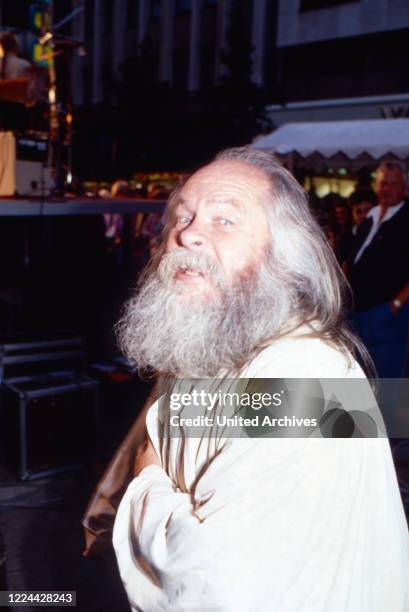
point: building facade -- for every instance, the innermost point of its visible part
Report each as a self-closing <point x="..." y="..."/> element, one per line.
<point x="340" y="59"/>
<point x="181" y="40"/>
<point x="326" y="59"/>
<point x="316" y="59"/>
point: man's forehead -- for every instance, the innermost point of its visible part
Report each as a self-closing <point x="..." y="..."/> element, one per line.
<point x="224" y="182"/>
<point x="390" y="174"/>
<point x="224" y="174"/>
<point x="182" y="199"/>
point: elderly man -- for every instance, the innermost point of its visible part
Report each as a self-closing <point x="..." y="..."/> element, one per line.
<point x="246" y="287"/>
<point x="379" y="273"/>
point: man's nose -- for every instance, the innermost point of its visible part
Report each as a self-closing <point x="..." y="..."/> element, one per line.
<point x="193" y="236"/>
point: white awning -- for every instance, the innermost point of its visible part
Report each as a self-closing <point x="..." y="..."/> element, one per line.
<point x="341" y="141"/>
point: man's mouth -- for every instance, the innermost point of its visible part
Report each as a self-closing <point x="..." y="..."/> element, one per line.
<point x="181" y="269"/>
<point x="190" y="271"/>
<point x="186" y="273"/>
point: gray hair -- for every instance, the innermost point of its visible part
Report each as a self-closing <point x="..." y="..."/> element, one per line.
<point x="314" y="290"/>
<point x="394" y="165"/>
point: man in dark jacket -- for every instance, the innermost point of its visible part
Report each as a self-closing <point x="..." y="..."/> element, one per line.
<point x="378" y="271"/>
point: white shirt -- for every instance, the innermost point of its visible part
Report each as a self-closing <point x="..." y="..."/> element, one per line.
<point x="375" y="215"/>
<point x="306" y="525"/>
<point x="16" y="67"/>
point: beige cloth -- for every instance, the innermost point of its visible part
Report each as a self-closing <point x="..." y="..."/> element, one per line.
<point x="288" y="525"/>
<point x="7" y="164"/>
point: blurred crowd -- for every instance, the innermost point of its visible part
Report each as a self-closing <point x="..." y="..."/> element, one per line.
<point x="340" y="217"/>
<point x="61" y="282"/>
<point x="144" y="230"/>
<point x="368" y="233"/>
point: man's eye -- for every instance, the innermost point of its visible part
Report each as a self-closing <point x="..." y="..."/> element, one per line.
<point x="225" y="222"/>
<point x="181" y="220"/>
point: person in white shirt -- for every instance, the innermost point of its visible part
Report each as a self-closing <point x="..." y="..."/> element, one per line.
<point x="11" y="66"/>
<point x="13" y="114"/>
<point x="378" y="271"/>
<point x="243" y="287"/>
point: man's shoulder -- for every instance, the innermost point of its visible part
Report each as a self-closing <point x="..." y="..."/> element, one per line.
<point x="404" y="211"/>
<point x="18" y="65"/>
<point x="401" y="215"/>
<point x="301" y="356"/>
<point x="23" y="63"/>
<point x="398" y="224"/>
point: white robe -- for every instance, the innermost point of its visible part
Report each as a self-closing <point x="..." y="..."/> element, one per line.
<point x="288" y="525"/>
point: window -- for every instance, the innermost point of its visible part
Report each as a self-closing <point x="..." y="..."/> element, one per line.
<point x="180" y="69"/>
<point x="132" y="9"/>
<point x="106" y="79"/>
<point x="107" y="16"/>
<point x="314" y="5"/>
<point x="182" y="6"/>
<point x="15" y="14"/>
<point x="89" y="19"/>
<point x="207" y="66"/>
<point x="155" y="9"/>
<point x="87" y="84"/>
<point x="61" y="10"/>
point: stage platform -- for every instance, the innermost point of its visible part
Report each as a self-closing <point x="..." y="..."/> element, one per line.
<point x="71" y="206"/>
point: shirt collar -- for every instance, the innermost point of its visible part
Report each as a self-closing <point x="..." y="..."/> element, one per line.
<point x="375" y="212"/>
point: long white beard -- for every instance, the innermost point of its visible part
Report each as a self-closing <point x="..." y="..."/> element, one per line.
<point x="168" y="330"/>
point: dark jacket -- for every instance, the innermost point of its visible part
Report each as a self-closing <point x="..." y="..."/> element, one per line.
<point x="383" y="268"/>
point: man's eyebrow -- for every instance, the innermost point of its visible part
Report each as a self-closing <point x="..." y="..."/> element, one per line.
<point x="178" y="201"/>
<point x="230" y="202"/>
<point x="181" y="201"/>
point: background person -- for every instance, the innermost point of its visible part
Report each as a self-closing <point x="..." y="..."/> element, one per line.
<point x="361" y="202"/>
<point x="378" y="270"/>
<point x="11" y="65"/>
